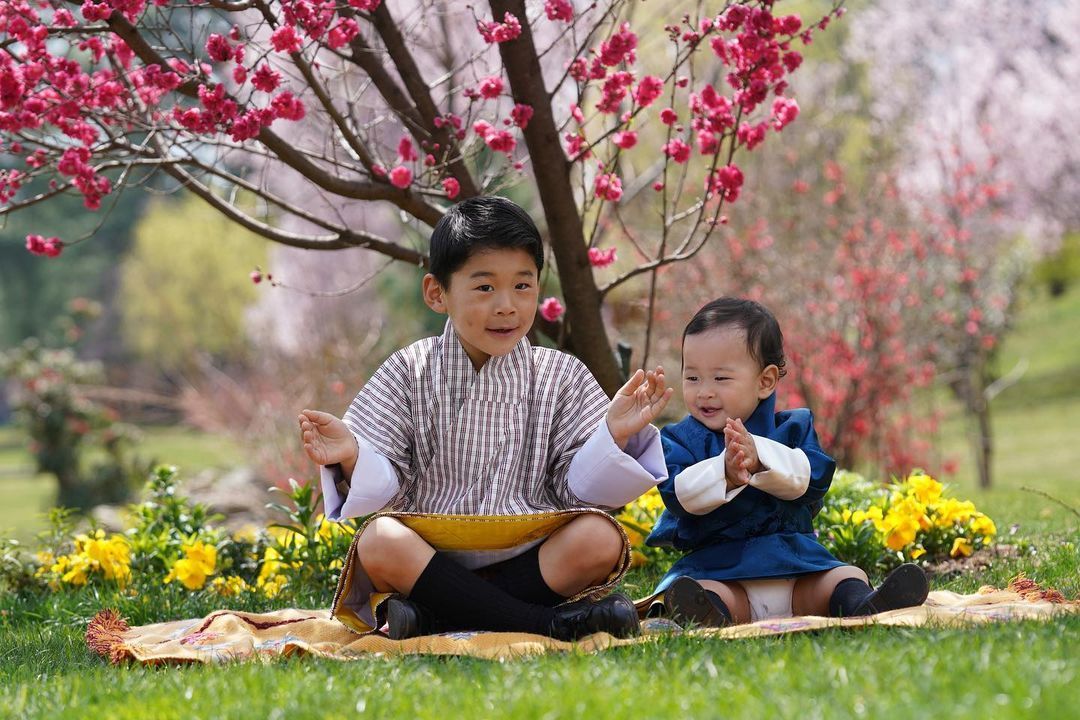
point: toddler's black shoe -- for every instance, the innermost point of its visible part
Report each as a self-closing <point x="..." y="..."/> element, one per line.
<point x="689" y="603"/>
<point x="906" y="586"/>
<point x="406" y="619"/>
<point x="614" y="614"/>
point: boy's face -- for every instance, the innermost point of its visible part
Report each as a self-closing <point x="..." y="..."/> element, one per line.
<point x="721" y="379"/>
<point x="491" y="300"/>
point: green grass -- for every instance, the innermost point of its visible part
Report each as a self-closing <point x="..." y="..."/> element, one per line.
<point x="25" y="496"/>
<point x="1018" y="670"/>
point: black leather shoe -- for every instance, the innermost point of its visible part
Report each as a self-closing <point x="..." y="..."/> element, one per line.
<point x="906" y="586"/>
<point x="614" y="614"/>
<point x="406" y="619"/>
<point x="690" y="604"/>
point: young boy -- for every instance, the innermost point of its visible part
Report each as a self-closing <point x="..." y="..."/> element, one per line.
<point x="744" y="483"/>
<point x="478" y="422"/>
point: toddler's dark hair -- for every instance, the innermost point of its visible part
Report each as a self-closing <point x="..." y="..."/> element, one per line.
<point x="477" y="224"/>
<point x="763" y="337"/>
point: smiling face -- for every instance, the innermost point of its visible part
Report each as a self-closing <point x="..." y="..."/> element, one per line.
<point x="491" y="300"/>
<point x="721" y="379"/>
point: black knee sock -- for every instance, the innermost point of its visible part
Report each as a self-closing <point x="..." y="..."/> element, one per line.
<point x="462" y="600"/>
<point x="847" y="596"/>
<point x="521" y="577"/>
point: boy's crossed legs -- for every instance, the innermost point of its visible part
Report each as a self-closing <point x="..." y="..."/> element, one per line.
<point x="516" y="595"/>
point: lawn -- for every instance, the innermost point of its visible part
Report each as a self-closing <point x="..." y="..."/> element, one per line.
<point x="1020" y="670"/>
<point x="25" y="496"/>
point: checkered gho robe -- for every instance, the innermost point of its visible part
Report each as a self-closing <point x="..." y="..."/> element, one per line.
<point x="494" y="442"/>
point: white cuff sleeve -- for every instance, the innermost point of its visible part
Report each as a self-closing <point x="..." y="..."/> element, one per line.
<point x="787" y="470"/>
<point x="604" y="475"/>
<point x="702" y="487"/>
<point x="373" y="484"/>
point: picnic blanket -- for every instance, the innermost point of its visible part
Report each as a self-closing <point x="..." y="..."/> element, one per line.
<point x="230" y="636"/>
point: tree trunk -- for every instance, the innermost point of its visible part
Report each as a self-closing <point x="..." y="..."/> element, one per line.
<point x="587" y="332"/>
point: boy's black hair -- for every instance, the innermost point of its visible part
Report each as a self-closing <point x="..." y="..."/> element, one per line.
<point x="763" y="337"/>
<point x="481" y="223"/>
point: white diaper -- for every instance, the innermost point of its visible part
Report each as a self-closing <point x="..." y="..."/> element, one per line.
<point x="769" y="597"/>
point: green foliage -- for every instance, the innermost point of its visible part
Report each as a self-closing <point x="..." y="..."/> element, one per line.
<point x="1060" y="270"/>
<point x="185" y="284"/>
<point x="36" y="290"/>
<point x="52" y="406"/>
<point x="310" y="548"/>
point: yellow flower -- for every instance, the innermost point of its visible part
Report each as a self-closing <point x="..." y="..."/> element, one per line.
<point x="983" y="525"/>
<point x="272" y="586"/>
<point x="203" y="554"/>
<point x="901" y="533"/>
<point x="230" y="586"/>
<point x="954" y="511"/>
<point x="845" y="515"/>
<point x="190" y="573"/>
<point x="961" y="546"/>
<point x="918" y="553"/>
<point x="72" y="569"/>
<point x="924" y="488"/>
<point x="271" y="566"/>
<point x="651" y="502"/>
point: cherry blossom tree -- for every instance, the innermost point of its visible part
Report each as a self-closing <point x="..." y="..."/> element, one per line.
<point x="375" y="110"/>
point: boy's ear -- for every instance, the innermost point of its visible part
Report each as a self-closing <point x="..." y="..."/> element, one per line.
<point x="767" y="381"/>
<point x="434" y="295"/>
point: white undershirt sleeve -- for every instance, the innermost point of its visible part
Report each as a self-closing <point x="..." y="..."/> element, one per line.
<point x="787" y="470"/>
<point x="604" y="475"/>
<point x="702" y="487"/>
<point x="373" y="484"/>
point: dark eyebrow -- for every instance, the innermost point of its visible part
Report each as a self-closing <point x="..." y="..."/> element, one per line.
<point x="488" y="273"/>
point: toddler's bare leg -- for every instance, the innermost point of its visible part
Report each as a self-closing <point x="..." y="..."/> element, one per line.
<point x="579" y="554"/>
<point x="812" y="592"/>
<point x="734" y="597"/>
<point x="392" y="555"/>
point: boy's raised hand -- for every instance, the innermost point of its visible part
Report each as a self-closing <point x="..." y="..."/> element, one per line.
<point x="637" y="404"/>
<point x="741" y="459"/>
<point x="326" y="439"/>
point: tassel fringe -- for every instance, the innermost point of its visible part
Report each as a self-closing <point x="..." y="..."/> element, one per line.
<point x="104" y="635"/>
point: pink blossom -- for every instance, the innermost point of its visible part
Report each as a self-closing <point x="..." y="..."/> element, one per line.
<point x="365" y="5"/>
<point x="265" y="78"/>
<point x="608" y="187"/>
<point x="648" y="90"/>
<point x="491" y="87"/>
<point x="784" y="111"/>
<point x="521" y="114"/>
<point x="256" y="276"/>
<point x="218" y="48"/>
<point x="619" y="48"/>
<point x="625" y="139"/>
<point x="677" y="150"/>
<point x="285" y="39"/>
<point x="575" y="112"/>
<point x="47" y="247"/>
<point x="401" y="177"/>
<point x="575" y="146"/>
<point x="551" y="309"/>
<point x="658" y="186"/>
<point x="668" y="116"/>
<point x="494" y="32"/>
<point x="378" y="171"/>
<point x="500" y="141"/>
<point x="614" y="90"/>
<point x="451" y="187"/>
<point x="727" y="181"/>
<point x="751" y="135"/>
<point x="405" y="149"/>
<point x="601" y="258"/>
<point x="559" y="10"/>
<point x="343" y="33"/>
<point x="287" y="107"/>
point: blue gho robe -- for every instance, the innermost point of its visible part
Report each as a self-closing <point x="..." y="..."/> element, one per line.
<point x="754" y="534"/>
